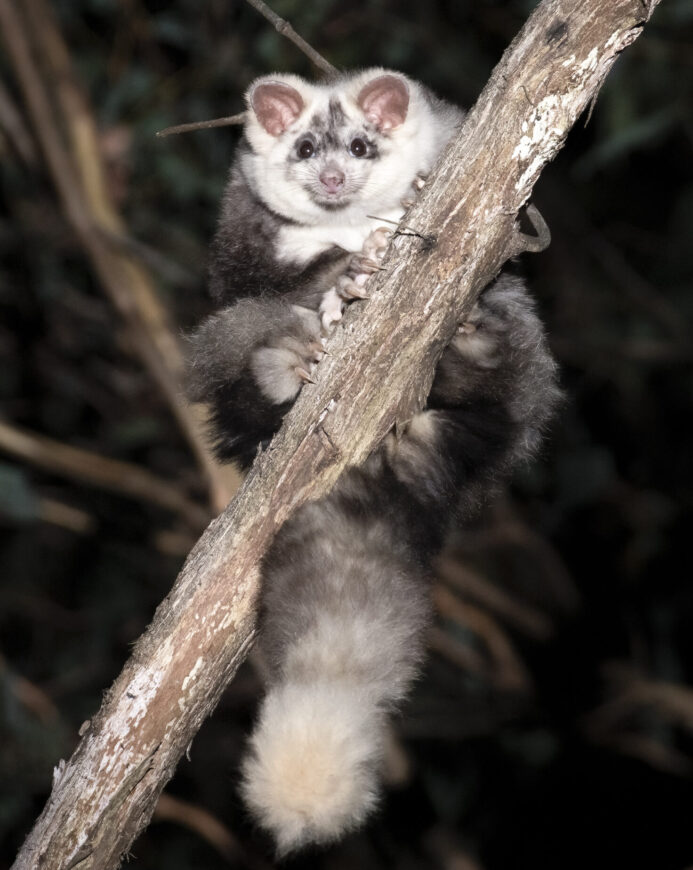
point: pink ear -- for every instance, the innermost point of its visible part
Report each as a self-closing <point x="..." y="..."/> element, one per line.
<point x="384" y="101"/>
<point x="276" y="106"/>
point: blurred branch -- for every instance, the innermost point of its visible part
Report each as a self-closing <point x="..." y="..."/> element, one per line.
<point x="615" y="722"/>
<point x="29" y="695"/>
<point x="459" y="654"/>
<point x="12" y="123"/>
<point x="506" y="668"/>
<point x="651" y="751"/>
<point x="65" y="516"/>
<point x="287" y="30"/>
<point x="377" y="374"/>
<point x="96" y="470"/>
<point x="79" y="178"/>
<point x="510" y="530"/>
<point x="448" y="854"/>
<point x="202" y="822"/>
<point x="156" y="261"/>
<point x="633" y="693"/>
<point x="527" y="619"/>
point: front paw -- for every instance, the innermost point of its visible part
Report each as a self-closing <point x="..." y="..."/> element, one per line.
<point x="352" y="284"/>
<point x="417" y="186"/>
<point x="475" y="339"/>
<point x="331" y="309"/>
<point x="282" y="366"/>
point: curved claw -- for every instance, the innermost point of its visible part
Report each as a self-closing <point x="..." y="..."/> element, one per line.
<point x="304" y="375"/>
<point x="366" y="265"/>
<point x="352" y="288"/>
<point x="317" y="350"/>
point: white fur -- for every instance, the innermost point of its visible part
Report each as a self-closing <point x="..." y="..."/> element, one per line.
<point x="331" y="309"/>
<point x="377" y="186"/>
<point x="301" y="243"/>
<point x="477" y="347"/>
<point x="311" y="774"/>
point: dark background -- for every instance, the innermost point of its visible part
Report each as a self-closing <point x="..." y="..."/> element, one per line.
<point x="553" y="725"/>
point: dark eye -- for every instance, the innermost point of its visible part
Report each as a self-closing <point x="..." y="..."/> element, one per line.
<point x="358" y="148"/>
<point x="305" y="149"/>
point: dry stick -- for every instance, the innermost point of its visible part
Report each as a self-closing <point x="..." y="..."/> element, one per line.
<point x="203" y="125"/>
<point x="96" y="470"/>
<point x="88" y="207"/>
<point x="287" y="30"/>
<point x="379" y="371"/>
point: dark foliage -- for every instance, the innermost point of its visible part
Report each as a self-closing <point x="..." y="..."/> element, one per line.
<point x="551" y="730"/>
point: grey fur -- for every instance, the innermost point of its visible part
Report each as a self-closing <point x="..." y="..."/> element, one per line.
<point x="346" y="597"/>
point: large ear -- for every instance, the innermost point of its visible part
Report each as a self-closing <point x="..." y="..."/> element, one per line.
<point x="276" y="106"/>
<point x="384" y="101"/>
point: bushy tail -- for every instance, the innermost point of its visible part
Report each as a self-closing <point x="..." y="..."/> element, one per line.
<point x="312" y="771"/>
<point x="345" y="611"/>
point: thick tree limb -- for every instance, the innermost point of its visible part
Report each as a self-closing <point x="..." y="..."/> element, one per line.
<point x="379" y="372"/>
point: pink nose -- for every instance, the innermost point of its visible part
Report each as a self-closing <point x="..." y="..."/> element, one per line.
<point x="332" y="180"/>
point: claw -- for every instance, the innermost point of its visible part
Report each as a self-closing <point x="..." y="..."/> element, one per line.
<point x="367" y="265"/>
<point x="352" y="291"/>
<point x="317" y="349"/>
<point x="352" y="288"/>
<point x="329" y="319"/>
<point x="304" y="375"/>
<point x="419" y="182"/>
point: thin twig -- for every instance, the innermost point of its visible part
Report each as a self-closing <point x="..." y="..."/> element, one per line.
<point x="203" y="125"/>
<point x="287" y="30"/>
<point x="101" y="471"/>
<point x="281" y="26"/>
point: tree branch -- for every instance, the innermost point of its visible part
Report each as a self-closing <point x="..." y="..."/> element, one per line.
<point x="55" y="101"/>
<point x="379" y="372"/>
<point x="287" y="30"/>
<point x="114" y="474"/>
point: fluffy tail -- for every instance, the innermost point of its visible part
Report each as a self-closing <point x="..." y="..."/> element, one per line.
<point x="311" y="774"/>
<point x="344" y="616"/>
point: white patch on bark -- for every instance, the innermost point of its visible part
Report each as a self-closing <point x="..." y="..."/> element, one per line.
<point x="193" y="673"/>
<point x="541" y="132"/>
<point x="427" y="306"/>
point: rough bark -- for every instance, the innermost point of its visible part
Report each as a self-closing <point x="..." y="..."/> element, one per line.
<point x="379" y="372"/>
